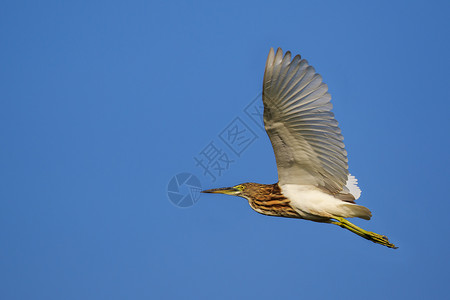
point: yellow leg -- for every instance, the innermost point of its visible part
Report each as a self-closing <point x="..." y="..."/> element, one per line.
<point x="371" y="236"/>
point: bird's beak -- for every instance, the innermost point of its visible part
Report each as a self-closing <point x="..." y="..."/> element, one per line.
<point x="226" y="191"/>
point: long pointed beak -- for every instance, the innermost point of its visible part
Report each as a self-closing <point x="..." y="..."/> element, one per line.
<point x="227" y="191"/>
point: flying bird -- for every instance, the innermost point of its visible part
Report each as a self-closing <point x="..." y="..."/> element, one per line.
<point x="313" y="178"/>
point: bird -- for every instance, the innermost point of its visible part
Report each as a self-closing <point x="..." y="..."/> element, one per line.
<point x="313" y="179"/>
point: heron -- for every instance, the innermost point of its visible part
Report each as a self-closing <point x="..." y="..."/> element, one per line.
<point x="313" y="179"/>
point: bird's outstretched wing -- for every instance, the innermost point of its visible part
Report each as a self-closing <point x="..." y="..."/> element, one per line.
<point x="305" y="136"/>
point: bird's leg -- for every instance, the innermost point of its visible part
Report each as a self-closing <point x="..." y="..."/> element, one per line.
<point x="371" y="236"/>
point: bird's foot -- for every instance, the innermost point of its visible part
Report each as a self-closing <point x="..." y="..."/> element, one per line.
<point x="371" y="236"/>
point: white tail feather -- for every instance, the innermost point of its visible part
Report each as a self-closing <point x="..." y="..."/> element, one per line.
<point x="352" y="185"/>
<point x="350" y="210"/>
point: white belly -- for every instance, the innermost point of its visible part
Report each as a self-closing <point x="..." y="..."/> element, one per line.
<point x="313" y="204"/>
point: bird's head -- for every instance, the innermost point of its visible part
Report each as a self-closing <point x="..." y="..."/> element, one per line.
<point x="244" y="190"/>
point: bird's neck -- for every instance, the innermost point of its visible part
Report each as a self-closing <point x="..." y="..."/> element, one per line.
<point x="266" y="192"/>
<point x="270" y="201"/>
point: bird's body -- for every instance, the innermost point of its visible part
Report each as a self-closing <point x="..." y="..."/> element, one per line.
<point x="314" y="182"/>
<point x="299" y="201"/>
<point x="315" y="205"/>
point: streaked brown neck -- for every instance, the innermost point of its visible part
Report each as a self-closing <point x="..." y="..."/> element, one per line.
<point x="268" y="200"/>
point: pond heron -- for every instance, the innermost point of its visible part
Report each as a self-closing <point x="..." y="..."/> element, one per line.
<point x="313" y="178"/>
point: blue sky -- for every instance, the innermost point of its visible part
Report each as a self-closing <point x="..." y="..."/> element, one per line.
<point x="103" y="102"/>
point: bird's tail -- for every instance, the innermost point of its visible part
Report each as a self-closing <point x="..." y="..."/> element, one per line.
<point x="371" y="236"/>
<point x="351" y="210"/>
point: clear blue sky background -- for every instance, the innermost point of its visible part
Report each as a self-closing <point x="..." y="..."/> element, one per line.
<point x="102" y="102"/>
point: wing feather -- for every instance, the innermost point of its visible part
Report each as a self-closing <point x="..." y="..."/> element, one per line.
<point x="304" y="133"/>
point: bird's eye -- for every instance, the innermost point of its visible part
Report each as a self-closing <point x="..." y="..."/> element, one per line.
<point x="239" y="187"/>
